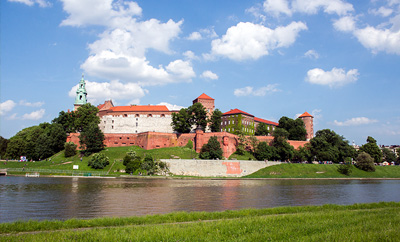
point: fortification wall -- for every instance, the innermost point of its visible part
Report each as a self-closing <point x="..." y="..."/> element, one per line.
<point x="154" y="140"/>
<point x="216" y="168"/>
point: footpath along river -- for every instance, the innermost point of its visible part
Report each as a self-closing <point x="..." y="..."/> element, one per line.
<point x="24" y="198"/>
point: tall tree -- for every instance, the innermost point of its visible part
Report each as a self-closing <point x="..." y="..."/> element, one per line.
<point x="329" y="146"/>
<point x="265" y="152"/>
<point x="181" y="121"/>
<point x="85" y="116"/>
<point x="67" y="120"/>
<point x="3" y="146"/>
<point x="262" y="130"/>
<point x="372" y="149"/>
<point x="388" y="155"/>
<point x="283" y="149"/>
<point x="91" y="139"/>
<point x="198" y="115"/>
<point x="296" y="128"/>
<point x="215" y="121"/>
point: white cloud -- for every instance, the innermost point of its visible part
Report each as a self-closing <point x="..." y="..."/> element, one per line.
<point x="252" y="41"/>
<point x="100" y="91"/>
<point x="41" y="3"/>
<point x="194" y="36"/>
<point x="250" y="91"/>
<point x="276" y="7"/>
<point x="190" y="55"/>
<point x="345" y="24"/>
<point x="181" y="69"/>
<point x="328" y="6"/>
<point x="312" y="54"/>
<point x="355" y="121"/>
<point x="335" y="78"/>
<point x="171" y="106"/>
<point x="377" y="40"/>
<point x="209" y="75"/>
<point x="35" y="115"/>
<point x="7" y="106"/>
<point x="382" y="11"/>
<point x="29" y="104"/>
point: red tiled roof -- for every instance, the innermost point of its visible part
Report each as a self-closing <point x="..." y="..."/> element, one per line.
<point x="205" y="96"/>
<point x="236" y="111"/>
<point x="305" y="114"/>
<point x="260" y="120"/>
<point x="142" y="108"/>
<point x="100" y="106"/>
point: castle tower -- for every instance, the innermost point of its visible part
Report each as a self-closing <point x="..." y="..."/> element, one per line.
<point x="207" y="102"/>
<point x="81" y="94"/>
<point x="308" y="120"/>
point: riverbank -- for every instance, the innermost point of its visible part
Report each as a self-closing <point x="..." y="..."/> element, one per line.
<point x="358" y="222"/>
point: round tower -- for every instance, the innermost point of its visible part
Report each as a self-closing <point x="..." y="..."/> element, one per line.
<point x="81" y="94"/>
<point x="308" y="121"/>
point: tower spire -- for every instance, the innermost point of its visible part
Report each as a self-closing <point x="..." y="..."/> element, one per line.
<point x="81" y="94"/>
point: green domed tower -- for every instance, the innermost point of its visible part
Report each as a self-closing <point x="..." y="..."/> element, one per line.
<point x="81" y="94"/>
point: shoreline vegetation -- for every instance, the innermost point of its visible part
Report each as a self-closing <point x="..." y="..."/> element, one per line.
<point x="357" y="222"/>
<point x="58" y="165"/>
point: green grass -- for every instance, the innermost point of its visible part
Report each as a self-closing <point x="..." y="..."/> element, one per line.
<point x="59" y="162"/>
<point x="296" y="170"/>
<point x="358" y="222"/>
<point x="246" y="156"/>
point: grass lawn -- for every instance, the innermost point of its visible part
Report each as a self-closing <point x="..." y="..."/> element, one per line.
<point x="358" y="222"/>
<point x="296" y="170"/>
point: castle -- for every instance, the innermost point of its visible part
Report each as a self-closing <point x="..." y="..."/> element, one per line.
<point x="149" y="126"/>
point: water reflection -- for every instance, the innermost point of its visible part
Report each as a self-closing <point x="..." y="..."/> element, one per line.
<point x="62" y="198"/>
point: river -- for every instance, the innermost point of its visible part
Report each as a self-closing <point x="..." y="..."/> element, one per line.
<point x="24" y="198"/>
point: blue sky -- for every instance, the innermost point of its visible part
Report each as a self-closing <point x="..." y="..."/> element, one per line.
<point x="338" y="60"/>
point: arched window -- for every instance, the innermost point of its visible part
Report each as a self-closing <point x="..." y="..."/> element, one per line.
<point x="149" y="115"/>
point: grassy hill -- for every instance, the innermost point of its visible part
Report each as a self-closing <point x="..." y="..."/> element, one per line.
<point x="294" y="170"/>
<point x="58" y="164"/>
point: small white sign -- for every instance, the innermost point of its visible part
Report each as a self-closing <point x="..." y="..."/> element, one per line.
<point x="75" y="167"/>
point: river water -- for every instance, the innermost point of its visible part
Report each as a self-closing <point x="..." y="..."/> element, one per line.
<point x="23" y="198"/>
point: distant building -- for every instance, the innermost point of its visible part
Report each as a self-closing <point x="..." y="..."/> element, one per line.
<point x="207" y="102"/>
<point x="236" y="120"/>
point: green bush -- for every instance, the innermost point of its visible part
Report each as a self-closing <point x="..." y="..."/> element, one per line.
<point x="98" y="161"/>
<point x="211" y="150"/>
<point x="70" y="149"/>
<point x="149" y="165"/>
<point x="345" y="169"/>
<point x="365" y="162"/>
<point x="189" y="144"/>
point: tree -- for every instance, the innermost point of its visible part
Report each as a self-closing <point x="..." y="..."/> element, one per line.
<point x="211" y="150"/>
<point x="262" y="130"/>
<point x="149" y="165"/>
<point x="85" y="116"/>
<point x="15" y="148"/>
<point x="365" y="162"/>
<point x="70" y="149"/>
<point x="99" y="161"/>
<point x="215" y="121"/>
<point x="295" y="128"/>
<point x="284" y="150"/>
<point x="3" y="146"/>
<point x="302" y="154"/>
<point x="398" y="154"/>
<point x="388" y="155"/>
<point x="253" y="143"/>
<point x="372" y="149"/>
<point x="329" y="146"/>
<point x="67" y="120"/>
<point x="198" y="116"/>
<point x="181" y="121"/>
<point x="265" y="151"/>
<point x="91" y="139"/>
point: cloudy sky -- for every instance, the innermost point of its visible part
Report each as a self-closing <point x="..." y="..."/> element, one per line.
<point x="338" y="60"/>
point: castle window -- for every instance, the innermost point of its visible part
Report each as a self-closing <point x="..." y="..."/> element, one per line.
<point x="136" y="124"/>
<point x="112" y="127"/>
<point x="136" y="115"/>
<point x="125" y="115"/>
<point x="113" y="121"/>
<point x="163" y="115"/>
<point x="149" y="115"/>
<point x="137" y="119"/>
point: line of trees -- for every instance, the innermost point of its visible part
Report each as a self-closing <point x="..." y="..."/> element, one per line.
<point x="46" y="139"/>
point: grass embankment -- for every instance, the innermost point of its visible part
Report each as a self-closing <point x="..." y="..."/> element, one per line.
<point x="115" y="154"/>
<point x="294" y="170"/>
<point x="358" y="222"/>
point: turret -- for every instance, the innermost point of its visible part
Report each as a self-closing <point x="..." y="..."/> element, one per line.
<point x="308" y="121"/>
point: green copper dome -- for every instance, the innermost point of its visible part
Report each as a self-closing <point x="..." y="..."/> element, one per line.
<point x="81" y="93"/>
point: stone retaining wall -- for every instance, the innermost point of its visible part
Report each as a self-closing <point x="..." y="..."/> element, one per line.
<point x="216" y="168"/>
